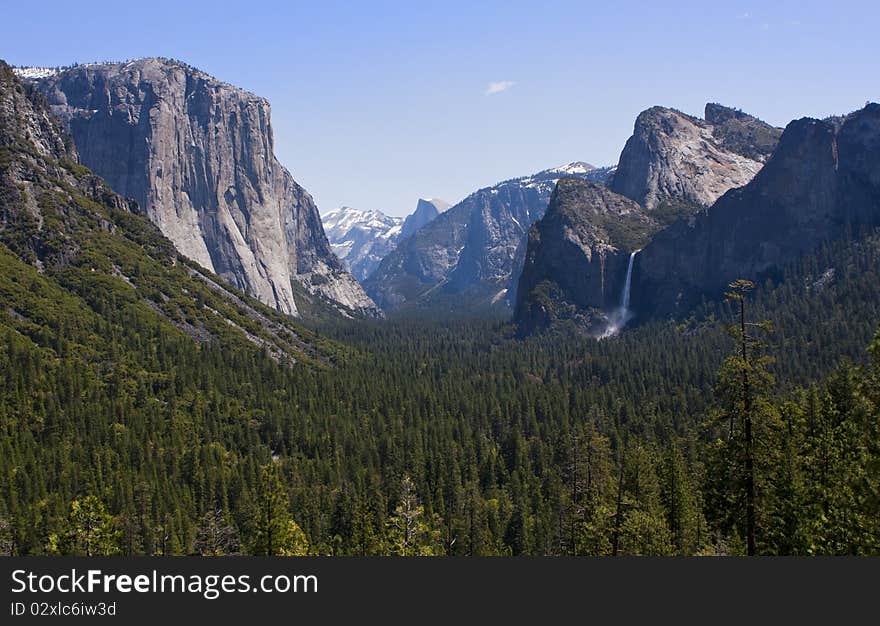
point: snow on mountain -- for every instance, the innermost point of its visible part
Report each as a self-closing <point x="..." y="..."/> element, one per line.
<point x="34" y="73"/>
<point x="545" y="180"/>
<point x="361" y="238"/>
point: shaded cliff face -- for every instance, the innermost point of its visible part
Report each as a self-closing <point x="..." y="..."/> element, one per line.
<point x="822" y="182"/>
<point x="577" y="255"/>
<point x="197" y="155"/>
<point x="470" y="256"/>
<point x="677" y="157"/>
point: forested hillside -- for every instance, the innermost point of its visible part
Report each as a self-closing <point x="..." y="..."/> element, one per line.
<point x="100" y="317"/>
<point x="456" y="438"/>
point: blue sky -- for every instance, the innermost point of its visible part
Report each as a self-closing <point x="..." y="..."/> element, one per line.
<point x="377" y="103"/>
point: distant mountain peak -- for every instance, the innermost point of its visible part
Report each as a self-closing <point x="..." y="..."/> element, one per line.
<point x="573" y="168"/>
<point x="426" y="210"/>
<point x="471" y="254"/>
<point x="362" y="238"/>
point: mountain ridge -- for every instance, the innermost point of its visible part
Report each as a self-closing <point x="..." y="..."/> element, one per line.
<point x="470" y="255"/>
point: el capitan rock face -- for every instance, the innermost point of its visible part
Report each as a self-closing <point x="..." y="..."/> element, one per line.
<point x="822" y="181"/>
<point x="197" y="156"/>
<point x="74" y="251"/>
<point x="674" y="156"/>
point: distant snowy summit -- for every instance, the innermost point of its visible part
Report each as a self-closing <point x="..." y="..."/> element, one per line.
<point x="546" y="180"/>
<point x="361" y="238"/>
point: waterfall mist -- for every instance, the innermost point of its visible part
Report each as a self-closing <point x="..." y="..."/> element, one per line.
<point x="620" y="316"/>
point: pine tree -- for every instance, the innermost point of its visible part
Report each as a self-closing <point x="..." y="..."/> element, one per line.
<point x="88" y="530"/>
<point x="274" y="532"/>
<point x="409" y="532"/>
<point x="745" y="408"/>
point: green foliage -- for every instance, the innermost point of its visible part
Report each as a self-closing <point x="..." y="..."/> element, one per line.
<point x="272" y="529"/>
<point x="88" y="531"/>
<point x="409" y="532"/>
<point x="671" y="210"/>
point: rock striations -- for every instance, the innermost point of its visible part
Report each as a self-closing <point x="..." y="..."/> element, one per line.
<point x="675" y="157"/>
<point x="197" y="156"/>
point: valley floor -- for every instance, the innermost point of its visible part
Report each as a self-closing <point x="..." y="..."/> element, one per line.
<point x="456" y="437"/>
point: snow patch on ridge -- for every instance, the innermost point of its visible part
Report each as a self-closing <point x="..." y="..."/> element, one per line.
<point x="34" y="73"/>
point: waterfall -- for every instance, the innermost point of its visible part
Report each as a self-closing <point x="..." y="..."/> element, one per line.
<point x="618" y="319"/>
<point x="624" y="297"/>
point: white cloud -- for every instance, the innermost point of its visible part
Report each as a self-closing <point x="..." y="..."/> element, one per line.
<point x="498" y="87"/>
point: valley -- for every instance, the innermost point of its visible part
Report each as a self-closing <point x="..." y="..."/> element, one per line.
<point x="193" y="363"/>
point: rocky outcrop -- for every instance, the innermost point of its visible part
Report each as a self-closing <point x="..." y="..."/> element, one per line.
<point x="469" y="256"/>
<point x="822" y="182"/>
<point x="197" y="156"/>
<point x="578" y="254"/>
<point x="426" y="211"/>
<point x="40" y="174"/>
<point x="675" y="157"/>
<point x="741" y="133"/>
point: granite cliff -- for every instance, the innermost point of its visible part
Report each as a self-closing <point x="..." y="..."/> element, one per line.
<point x="672" y="156"/>
<point x="197" y="156"/>
<point x="822" y="183"/>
